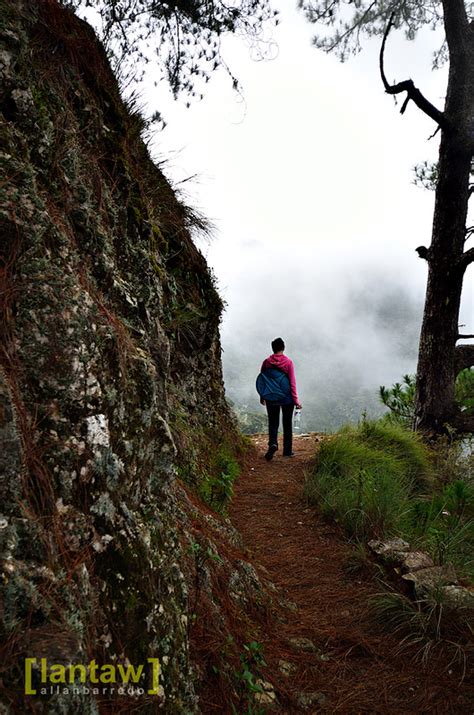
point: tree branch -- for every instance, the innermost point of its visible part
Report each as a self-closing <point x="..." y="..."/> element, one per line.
<point x="407" y="86"/>
<point x="464" y="357"/>
<point x="464" y="337"/>
<point x="466" y="258"/>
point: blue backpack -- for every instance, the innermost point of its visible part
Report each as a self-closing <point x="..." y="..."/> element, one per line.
<point x="273" y="385"/>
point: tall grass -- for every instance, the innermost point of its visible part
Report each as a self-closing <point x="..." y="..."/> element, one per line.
<point x="427" y="626"/>
<point x="378" y="479"/>
<point x="366" y="476"/>
<point x="443" y="525"/>
<point x="397" y="441"/>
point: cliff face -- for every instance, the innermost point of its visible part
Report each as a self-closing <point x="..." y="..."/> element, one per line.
<point x="110" y="376"/>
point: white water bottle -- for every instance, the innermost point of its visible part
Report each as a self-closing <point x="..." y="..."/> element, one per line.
<point x="297" y="420"/>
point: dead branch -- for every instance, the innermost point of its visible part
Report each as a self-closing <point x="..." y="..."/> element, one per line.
<point x="466" y="258"/>
<point x="407" y="86"/>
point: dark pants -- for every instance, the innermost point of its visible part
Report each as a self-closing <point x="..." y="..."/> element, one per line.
<point x="273" y="412"/>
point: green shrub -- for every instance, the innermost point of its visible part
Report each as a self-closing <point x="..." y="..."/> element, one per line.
<point x="217" y="487"/>
<point x="400" y="399"/>
<point x="465" y="389"/>
<point x="443" y="525"/>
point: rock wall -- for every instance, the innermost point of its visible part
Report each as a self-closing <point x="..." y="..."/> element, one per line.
<point x="110" y="374"/>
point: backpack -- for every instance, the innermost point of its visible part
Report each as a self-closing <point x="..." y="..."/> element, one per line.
<point x="273" y="385"/>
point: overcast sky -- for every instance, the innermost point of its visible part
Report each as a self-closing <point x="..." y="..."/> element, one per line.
<point x="308" y="181"/>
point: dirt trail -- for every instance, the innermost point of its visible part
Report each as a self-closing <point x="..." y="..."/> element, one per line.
<point x="352" y="668"/>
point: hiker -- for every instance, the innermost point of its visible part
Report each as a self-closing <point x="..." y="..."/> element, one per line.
<point x="277" y="381"/>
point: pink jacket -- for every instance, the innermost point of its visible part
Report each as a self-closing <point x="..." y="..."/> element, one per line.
<point x="286" y="365"/>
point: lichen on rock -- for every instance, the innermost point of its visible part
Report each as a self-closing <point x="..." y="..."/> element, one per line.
<point x="110" y="372"/>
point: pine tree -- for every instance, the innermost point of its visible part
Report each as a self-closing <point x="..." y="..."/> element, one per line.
<point x="343" y="24"/>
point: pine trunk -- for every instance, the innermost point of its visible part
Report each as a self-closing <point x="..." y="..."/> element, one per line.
<point x="437" y="366"/>
<point x="438" y="362"/>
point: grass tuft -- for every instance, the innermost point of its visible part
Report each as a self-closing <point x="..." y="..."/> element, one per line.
<point x="365" y="478"/>
<point x="428" y="625"/>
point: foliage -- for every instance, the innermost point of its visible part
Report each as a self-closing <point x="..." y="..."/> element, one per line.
<point x="216" y="487"/>
<point x="201" y="555"/>
<point x="426" y="175"/>
<point x="444" y="526"/>
<point x="251" y="662"/>
<point x="405" y="445"/>
<point x="183" y="36"/>
<point x="344" y="23"/>
<point x="400" y="399"/>
<point x="379" y="479"/>
<point x="465" y="389"/>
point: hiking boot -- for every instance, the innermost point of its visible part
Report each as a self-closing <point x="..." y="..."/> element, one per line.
<point x="271" y="451"/>
<point x="289" y="455"/>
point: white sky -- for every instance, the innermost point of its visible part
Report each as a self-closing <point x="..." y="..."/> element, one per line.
<point x="309" y="184"/>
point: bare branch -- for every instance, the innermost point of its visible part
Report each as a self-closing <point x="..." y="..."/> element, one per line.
<point x="467" y="258"/>
<point x="431" y="136"/>
<point x="407" y="86"/>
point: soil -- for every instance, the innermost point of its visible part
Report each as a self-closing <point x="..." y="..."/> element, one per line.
<point x="326" y="653"/>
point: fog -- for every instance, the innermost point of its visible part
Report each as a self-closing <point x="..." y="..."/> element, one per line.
<point x="348" y="326"/>
<point x="308" y="179"/>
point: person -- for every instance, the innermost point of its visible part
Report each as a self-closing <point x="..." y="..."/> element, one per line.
<point x="281" y="362"/>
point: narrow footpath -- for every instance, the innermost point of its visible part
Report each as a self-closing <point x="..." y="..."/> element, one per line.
<point x="328" y="655"/>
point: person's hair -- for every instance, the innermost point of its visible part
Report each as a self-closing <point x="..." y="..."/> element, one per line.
<point x="278" y="345"/>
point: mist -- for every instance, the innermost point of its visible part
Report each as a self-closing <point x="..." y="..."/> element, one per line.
<point x="348" y="329"/>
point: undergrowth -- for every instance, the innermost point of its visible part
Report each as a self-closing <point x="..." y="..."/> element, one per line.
<point x="366" y="476"/>
<point x="248" y="678"/>
<point x="217" y="485"/>
<point x="378" y="480"/>
<point x="428" y="626"/>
